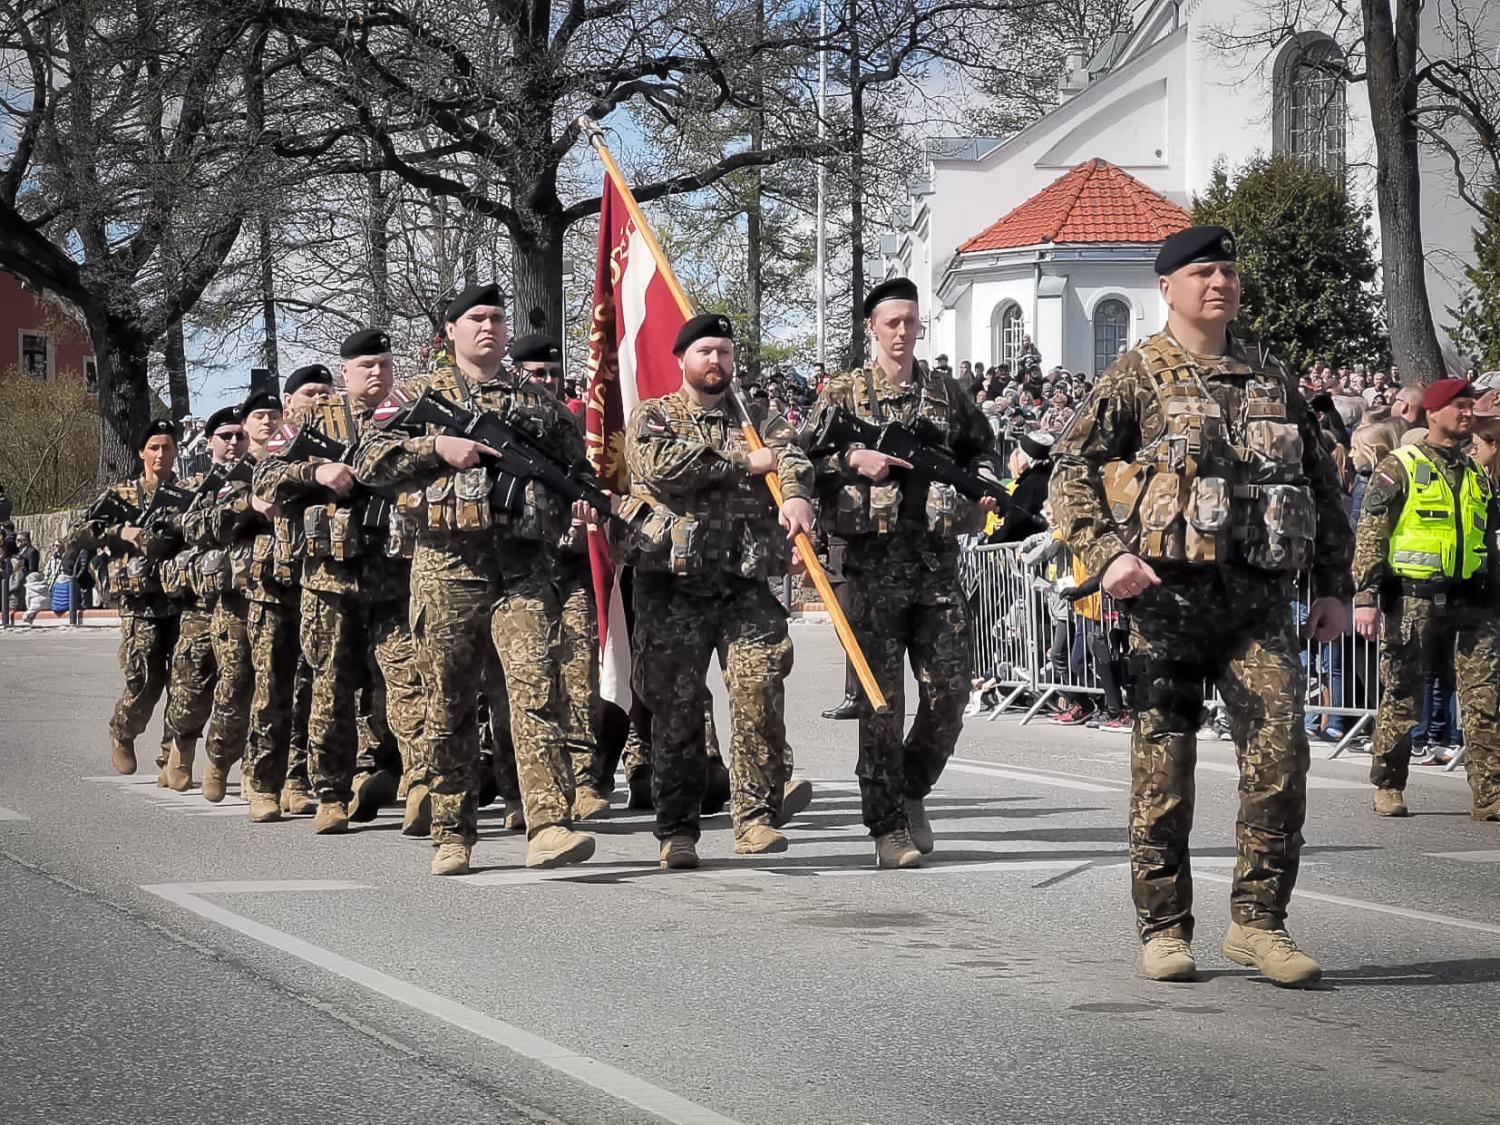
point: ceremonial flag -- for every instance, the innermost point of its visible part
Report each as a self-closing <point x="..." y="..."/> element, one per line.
<point x="635" y="322"/>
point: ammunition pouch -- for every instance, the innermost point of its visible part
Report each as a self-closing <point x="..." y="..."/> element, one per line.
<point x="134" y="576"/>
<point x="1209" y="515"/>
<point x="213" y="574"/>
<point x="534" y="512"/>
<point x="345" y="537"/>
<point x="1280" y="528"/>
<point x="176" y="575"/>
<point x="686" y="554"/>
<point x="949" y="513"/>
<point x="316" y="531"/>
<point x="1163" y="533"/>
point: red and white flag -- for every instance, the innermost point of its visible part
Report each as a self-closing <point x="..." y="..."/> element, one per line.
<point x="635" y="323"/>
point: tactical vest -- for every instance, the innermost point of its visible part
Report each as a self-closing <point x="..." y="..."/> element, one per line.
<point x="1209" y="489"/>
<point x="132" y="573"/>
<point x="862" y="507"/>
<point x="1438" y="535"/>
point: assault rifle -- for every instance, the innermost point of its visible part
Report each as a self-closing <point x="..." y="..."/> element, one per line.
<point x="309" y="442"/>
<point x="522" y="455"/>
<point x="920" y="445"/>
<point x="219" y="475"/>
<point x="110" y="510"/>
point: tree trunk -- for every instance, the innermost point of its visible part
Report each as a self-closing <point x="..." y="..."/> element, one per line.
<point x="124" y="392"/>
<point x="268" y="296"/>
<point x="174" y="356"/>
<point x="1391" y="59"/>
<point x="378" y="234"/>
<point x="537" y="265"/>
<point x="855" y="354"/>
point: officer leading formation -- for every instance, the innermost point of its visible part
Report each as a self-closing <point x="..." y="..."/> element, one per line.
<point x="420" y="556"/>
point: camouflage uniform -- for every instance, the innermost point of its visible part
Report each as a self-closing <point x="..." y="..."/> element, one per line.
<point x="355" y="604"/>
<point x="709" y="540"/>
<point x="148" y="617"/>
<point x="1426" y="625"/>
<point x="485" y="581"/>
<point x="190" y="694"/>
<point x="902" y="593"/>
<point x="1218" y="617"/>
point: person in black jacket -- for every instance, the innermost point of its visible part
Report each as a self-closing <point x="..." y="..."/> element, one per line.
<point x="1031" y="469"/>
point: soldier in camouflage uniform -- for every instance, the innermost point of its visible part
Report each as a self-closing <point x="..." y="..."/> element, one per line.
<point x="484" y="579"/>
<point x="148" y="616"/>
<point x="355" y="588"/>
<point x="1193" y="482"/>
<point x="1425" y="561"/>
<point x="708" y="541"/>
<point x="902" y="592"/>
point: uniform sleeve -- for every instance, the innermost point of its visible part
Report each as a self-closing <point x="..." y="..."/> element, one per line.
<point x="1385" y="496"/>
<point x="1333" y="542"/>
<point x="1106" y="428"/>
<point x="92" y="535"/>
<point x="829" y="468"/>
<point x="388" y="458"/>
<point x="673" y="465"/>
<point x="279" y="481"/>
<point x="792" y="464"/>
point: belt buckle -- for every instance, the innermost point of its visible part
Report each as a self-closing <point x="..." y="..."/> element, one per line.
<point x="1440" y="599"/>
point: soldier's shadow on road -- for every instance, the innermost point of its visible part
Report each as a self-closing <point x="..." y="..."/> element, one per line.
<point x="1421" y="974"/>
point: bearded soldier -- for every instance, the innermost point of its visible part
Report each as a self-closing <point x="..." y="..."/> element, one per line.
<point x="903" y="594"/>
<point x="709" y="544"/>
<point x="1194" y="484"/>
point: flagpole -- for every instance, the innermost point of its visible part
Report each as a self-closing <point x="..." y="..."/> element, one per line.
<point x="821" y="268"/>
<point x="752" y="436"/>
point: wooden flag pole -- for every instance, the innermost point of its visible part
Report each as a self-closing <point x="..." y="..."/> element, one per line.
<point x="752" y="436"/>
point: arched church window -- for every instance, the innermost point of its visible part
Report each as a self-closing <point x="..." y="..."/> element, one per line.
<point x="1310" y="109"/>
<point x="1111" y="331"/>
<point x="1007" y="330"/>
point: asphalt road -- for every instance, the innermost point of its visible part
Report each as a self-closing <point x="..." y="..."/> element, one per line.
<point x="163" y="960"/>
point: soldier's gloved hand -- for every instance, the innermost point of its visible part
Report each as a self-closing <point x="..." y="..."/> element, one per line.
<point x="1127" y="576"/>
<point x="1325" y="620"/>
<point x="872" y="464"/>
<point x="762" y="461"/>
<point x="796" y="517"/>
<point x="583" y="512"/>
<point x="461" y="452"/>
<point x="1366" y="621"/>
<point x="338" y="479"/>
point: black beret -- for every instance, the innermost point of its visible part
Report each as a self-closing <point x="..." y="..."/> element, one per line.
<point x="472" y="296"/>
<point x="1196" y="244"/>
<point x="154" y="427"/>
<point x="701" y="326"/>
<point x="367" y="341"/>
<point x="892" y="289"/>
<point x="538" y="347"/>
<point x="1037" y="444"/>
<point x="224" y="416"/>
<point x="259" y="400"/>
<point x="311" y="373"/>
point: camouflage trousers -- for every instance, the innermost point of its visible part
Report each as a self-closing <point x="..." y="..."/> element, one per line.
<point x="901" y="607"/>
<point x="579" y="632"/>
<point x="457" y="625"/>
<point x="272" y="632"/>
<point x="1418" y="636"/>
<point x="230" y="720"/>
<point x="340" y="633"/>
<point x="1236" y="629"/>
<point x="679" y="624"/>
<point x="190" y="696"/>
<point x="146" y="645"/>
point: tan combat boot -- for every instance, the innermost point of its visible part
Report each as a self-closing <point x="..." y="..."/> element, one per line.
<point x="679" y="853"/>
<point x="795" y="797"/>
<point x="297" y="801"/>
<point x="1168" y="957"/>
<point x="895" y="849"/>
<point x="556" y="845"/>
<point x="372" y="792"/>
<point x="919" y="826"/>
<point x="1391" y="802"/>
<point x="179" y="769"/>
<point x="451" y="858"/>
<point x="215" y="782"/>
<point x="331" y="819"/>
<point x="1273" y="952"/>
<point x="418" y="818"/>
<point x="589" y="802"/>
<point x="1486" y="812"/>
<point x="264" y="807"/>
<point x="759" y="839"/>
<point x="122" y="754"/>
<point x="515" y="816"/>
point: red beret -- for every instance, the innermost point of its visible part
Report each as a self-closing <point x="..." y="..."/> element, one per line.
<point x="1444" y="391"/>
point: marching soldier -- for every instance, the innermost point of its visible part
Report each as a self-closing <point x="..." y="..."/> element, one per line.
<point x="483" y="579"/>
<point x="1425" y="562"/>
<point x="709" y="542"/>
<point x="148" y="617"/>
<point x="355" y="588"/>
<point x="902" y="589"/>
<point x="1194" y="484"/>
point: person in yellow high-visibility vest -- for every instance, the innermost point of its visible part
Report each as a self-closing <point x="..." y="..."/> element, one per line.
<point x="1426" y="580"/>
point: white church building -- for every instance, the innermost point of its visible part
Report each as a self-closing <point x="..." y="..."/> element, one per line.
<point x="1050" y="233"/>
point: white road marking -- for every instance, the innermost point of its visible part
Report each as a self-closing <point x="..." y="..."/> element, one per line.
<point x="1381" y="908"/>
<point x="1468" y="857"/>
<point x="1012" y="773"/>
<point x="11" y="814"/>
<point x="654" y="1100"/>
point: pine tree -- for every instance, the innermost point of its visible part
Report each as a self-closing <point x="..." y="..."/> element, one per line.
<point x="1476" y="328"/>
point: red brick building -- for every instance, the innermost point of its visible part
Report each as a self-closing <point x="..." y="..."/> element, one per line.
<point x="41" y="337"/>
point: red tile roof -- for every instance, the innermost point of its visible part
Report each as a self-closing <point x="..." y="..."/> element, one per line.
<point x="1095" y="202"/>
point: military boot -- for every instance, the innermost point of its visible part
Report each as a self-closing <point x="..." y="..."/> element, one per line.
<point x="847" y="709"/>
<point x="297" y="801"/>
<point x="589" y="802"/>
<point x="515" y="815"/>
<point x="557" y="845"/>
<point x="1486" y="812"/>
<point x="1391" y="802"/>
<point x="1168" y="957"/>
<point x="679" y="853"/>
<point x="795" y="797"/>
<point x="418" y="818"/>
<point x="215" y="780"/>
<point x="716" y="791"/>
<point x="161" y="777"/>
<point x="1273" y="952"/>
<point x="895" y="849"/>
<point x="264" y="807"/>
<point x="759" y="839"/>
<point x="640" y="790"/>
<point x="122" y="754"/>
<point x="372" y="792"/>
<point x="919" y="826"/>
<point x="179" y="769"/>
<point x="451" y="858"/>
<point x="331" y="819"/>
